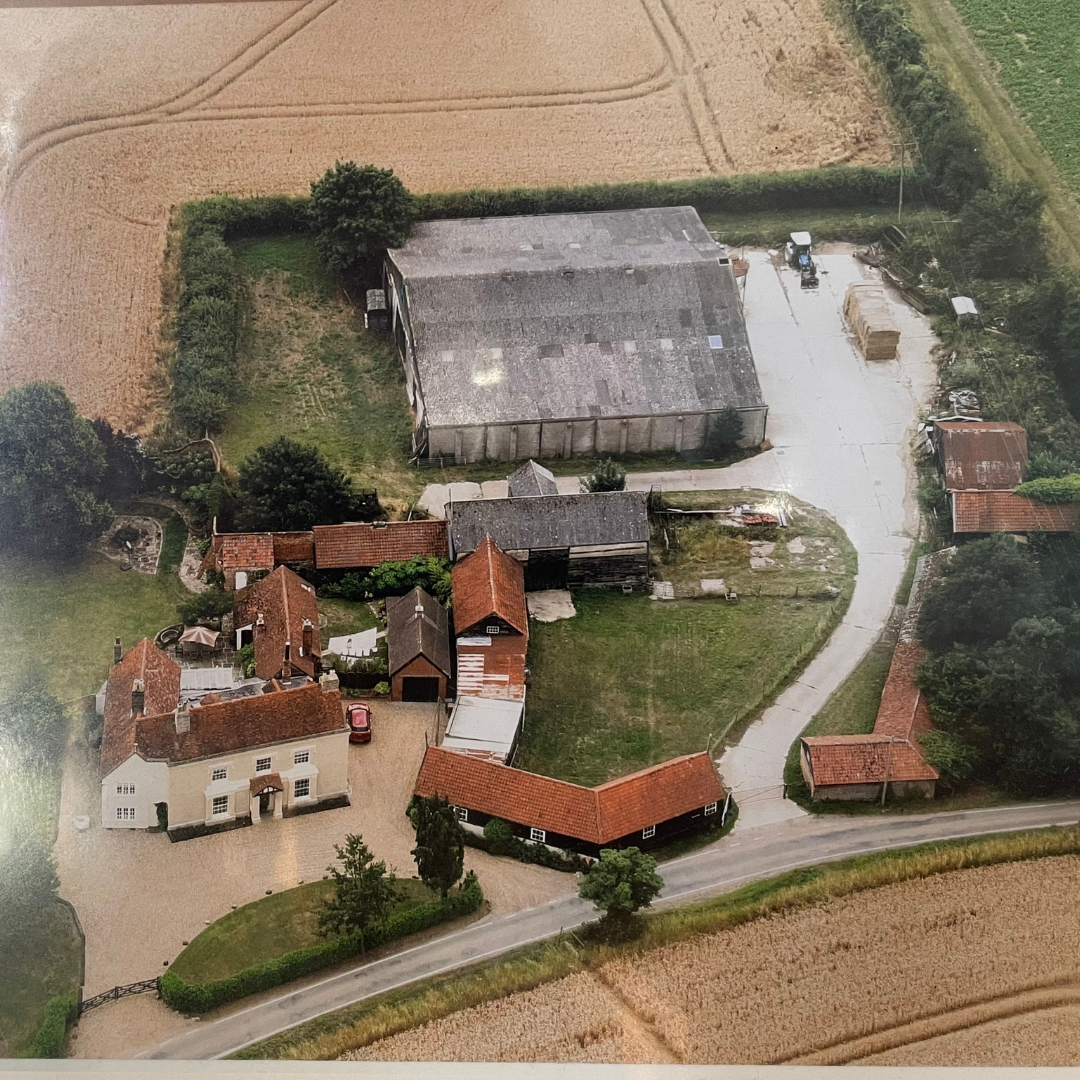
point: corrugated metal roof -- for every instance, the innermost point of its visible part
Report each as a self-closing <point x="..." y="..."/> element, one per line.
<point x="574" y="315"/>
<point x="988" y="455"/>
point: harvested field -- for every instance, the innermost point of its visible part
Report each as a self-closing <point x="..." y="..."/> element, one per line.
<point x="114" y="116"/>
<point x="900" y="972"/>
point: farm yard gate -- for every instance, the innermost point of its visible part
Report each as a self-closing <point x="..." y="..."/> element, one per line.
<point x="117" y="992"/>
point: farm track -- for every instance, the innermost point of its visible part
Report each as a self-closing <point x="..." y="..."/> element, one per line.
<point x="927" y="1028"/>
<point x="1015" y="147"/>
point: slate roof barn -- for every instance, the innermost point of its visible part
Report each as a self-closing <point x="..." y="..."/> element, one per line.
<point x="531" y="479"/>
<point x="418" y="646"/>
<point x="643" y="809"/>
<point x="599" y="539"/>
<point x="560" y="334"/>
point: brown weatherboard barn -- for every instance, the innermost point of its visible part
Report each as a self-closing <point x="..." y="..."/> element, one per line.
<point x="418" y="647"/>
<point x="643" y="810"/>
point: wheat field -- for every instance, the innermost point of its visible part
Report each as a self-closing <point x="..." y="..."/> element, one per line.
<point x="110" y="117"/>
<point x="979" y="966"/>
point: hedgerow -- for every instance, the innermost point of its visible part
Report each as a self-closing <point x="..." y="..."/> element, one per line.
<point x="51" y="1035"/>
<point x="197" y="998"/>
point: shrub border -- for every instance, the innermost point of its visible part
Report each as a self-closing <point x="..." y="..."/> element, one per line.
<point x="197" y="998"/>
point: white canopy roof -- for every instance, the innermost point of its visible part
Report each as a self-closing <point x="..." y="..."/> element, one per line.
<point x="800" y="239"/>
<point x="484" y="725"/>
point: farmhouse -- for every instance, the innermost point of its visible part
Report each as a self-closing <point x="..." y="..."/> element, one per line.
<point x="568" y="334"/>
<point x="279" y="614"/>
<point x="229" y="759"/>
<point x="563" y="541"/>
<point x="363" y="545"/>
<point x="491" y="623"/>
<point x="644" y="810"/>
<point x="418" y="647"/>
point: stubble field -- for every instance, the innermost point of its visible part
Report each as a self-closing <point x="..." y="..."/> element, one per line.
<point x="973" y="967"/>
<point x="111" y="117"/>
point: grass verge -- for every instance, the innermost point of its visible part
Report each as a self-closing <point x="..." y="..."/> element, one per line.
<point x="271" y="927"/>
<point x="772" y="228"/>
<point x="524" y="969"/>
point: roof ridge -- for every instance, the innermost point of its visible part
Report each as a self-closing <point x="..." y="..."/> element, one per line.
<point x="648" y="768"/>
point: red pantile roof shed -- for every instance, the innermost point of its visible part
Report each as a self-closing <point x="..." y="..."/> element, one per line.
<point x="596" y="815"/>
<point x="1005" y="511"/>
<point x="371" y="544"/>
<point x="864" y="759"/>
<point x="489" y="582"/>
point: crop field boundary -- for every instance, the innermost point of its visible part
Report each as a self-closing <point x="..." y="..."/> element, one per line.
<point x="1015" y="148"/>
<point x="531" y="966"/>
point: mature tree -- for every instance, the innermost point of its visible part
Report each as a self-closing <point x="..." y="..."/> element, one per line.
<point x="399" y="576"/>
<point x="608" y="475"/>
<point x="285" y="486"/>
<point x="987" y="586"/>
<point x="440" y="846"/>
<point x="621" y="882"/>
<point x="126" y="463"/>
<point x="359" y="212"/>
<point x="53" y="463"/>
<point x="209" y="604"/>
<point x="33" y="728"/>
<point x="363" y="891"/>
<point x="956" y="163"/>
<point x="954" y="759"/>
<point x="725" y="431"/>
<point x="1001" y="231"/>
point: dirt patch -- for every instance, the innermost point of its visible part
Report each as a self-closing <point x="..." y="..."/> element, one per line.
<point x="133" y="542"/>
<point x="550" y="605"/>
<point x="222" y="98"/>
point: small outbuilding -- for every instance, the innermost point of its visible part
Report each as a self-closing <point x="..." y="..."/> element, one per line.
<point x="418" y="647"/>
<point x="562" y="541"/>
<point x="485" y="728"/>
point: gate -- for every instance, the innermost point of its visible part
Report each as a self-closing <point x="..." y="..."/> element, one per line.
<point x="117" y="992"/>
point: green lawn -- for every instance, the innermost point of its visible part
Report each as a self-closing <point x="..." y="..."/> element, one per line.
<point x="268" y="928"/>
<point x="61" y="618"/>
<point x="45" y="961"/>
<point x="346" y="617"/>
<point x="630" y="681"/>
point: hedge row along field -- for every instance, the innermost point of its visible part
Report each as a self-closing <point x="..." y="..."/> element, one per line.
<point x="1033" y="44"/>
<point x="199" y="997"/>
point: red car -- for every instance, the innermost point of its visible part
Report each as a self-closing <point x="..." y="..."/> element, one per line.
<point x="359" y="716"/>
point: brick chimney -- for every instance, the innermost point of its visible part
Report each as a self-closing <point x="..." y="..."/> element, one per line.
<point x="309" y="637"/>
<point x="117" y="651"/>
<point x="182" y="718"/>
<point x="138" y="697"/>
<point x="286" y="667"/>
<point x="329" y="682"/>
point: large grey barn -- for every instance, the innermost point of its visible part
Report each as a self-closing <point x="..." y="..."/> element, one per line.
<point x="565" y="334"/>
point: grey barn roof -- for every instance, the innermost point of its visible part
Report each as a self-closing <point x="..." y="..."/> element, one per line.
<point x="563" y="316"/>
<point x="550" y="521"/>
<point x="411" y="633"/>
<point x="531" y="479"/>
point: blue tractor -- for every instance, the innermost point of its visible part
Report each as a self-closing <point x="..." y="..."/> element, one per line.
<point x="800" y="260"/>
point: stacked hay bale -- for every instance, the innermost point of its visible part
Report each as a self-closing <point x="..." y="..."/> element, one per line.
<point x="866" y="308"/>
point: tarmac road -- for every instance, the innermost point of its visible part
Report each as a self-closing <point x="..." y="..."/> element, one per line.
<point x="740" y="857"/>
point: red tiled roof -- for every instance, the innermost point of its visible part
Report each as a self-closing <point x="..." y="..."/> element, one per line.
<point x="902" y="712"/>
<point x="597" y="815"/>
<point x="371" y="544"/>
<point x="161" y="682"/>
<point x="241" y="723"/>
<point x="489" y="582"/>
<point x="285" y="601"/>
<point x="863" y="759"/>
<point x="256" y="551"/>
<point x="984" y="455"/>
<point x="1005" y="511"/>
<point x="294" y="547"/>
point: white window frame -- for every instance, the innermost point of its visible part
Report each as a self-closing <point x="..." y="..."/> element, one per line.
<point x="259" y="769"/>
<point x="125" y="813"/>
<point x="491" y="630"/>
<point x="462" y="812"/>
<point x="648" y="832"/>
<point x="301" y="757"/>
<point x="223" y="770"/>
<point x="125" y="789"/>
<point x="214" y="811"/>
<point x="710" y="809"/>
<point x="306" y="793"/>
<point x="539" y="836"/>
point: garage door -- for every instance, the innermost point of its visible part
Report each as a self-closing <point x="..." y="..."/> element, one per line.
<point x="414" y="688"/>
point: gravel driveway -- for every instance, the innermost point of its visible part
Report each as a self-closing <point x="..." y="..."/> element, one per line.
<point x="140" y="897"/>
